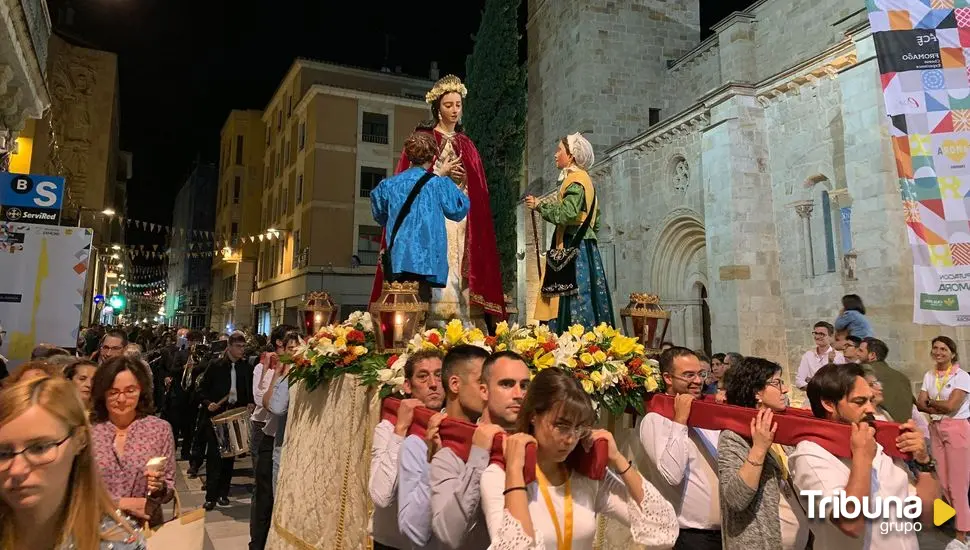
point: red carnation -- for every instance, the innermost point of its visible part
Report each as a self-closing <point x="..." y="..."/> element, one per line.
<point x="392" y="359"/>
<point x="635" y="363"/>
<point x="435" y="339"/>
<point x="490" y="341"/>
<point x="593" y="349"/>
<point x="355" y="336"/>
<point x="549" y="346"/>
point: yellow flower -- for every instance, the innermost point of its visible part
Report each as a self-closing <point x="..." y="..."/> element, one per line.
<point x="340" y="342"/>
<point x="587" y="386"/>
<point x="623" y="345"/>
<point x="501" y="328"/>
<point x="544" y="361"/>
<point x="589" y="338"/>
<point x="577" y="331"/>
<point x="542" y="333"/>
<point x="359" y="350"/>
<point x="586" y="358"/>
<point x="604" y="331"/>
<point x="426" y="345"/>
<point x="501" y="347"/>
<point x="454" y="332"/>
<point x="651" y="384"/>
<point x="639" y="349"/>
<point x="597" y="379"/>
<point x="523" y="345"/>
<point x="474" y="335"/>
<point x="599" y="357"/>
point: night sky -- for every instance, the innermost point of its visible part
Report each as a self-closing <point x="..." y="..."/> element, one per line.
<point x="185" y="64"/>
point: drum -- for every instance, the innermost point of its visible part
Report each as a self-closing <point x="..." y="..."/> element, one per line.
<point x="232" y="432"/>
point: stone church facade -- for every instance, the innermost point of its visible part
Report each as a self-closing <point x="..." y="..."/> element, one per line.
<point x="746" y="179"/>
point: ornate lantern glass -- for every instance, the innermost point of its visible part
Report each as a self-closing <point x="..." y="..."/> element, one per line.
<point x="511" y="311"/>
<point x="644" y="318"/>
<point x="318" y="310"/>
<point x="399" y="314"/>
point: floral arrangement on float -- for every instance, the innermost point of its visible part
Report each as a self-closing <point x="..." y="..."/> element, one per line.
<point x="613" y="369"/>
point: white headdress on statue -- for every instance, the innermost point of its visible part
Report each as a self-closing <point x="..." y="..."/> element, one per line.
<point x="581" y="150"/>
<point x="448" y="84"/>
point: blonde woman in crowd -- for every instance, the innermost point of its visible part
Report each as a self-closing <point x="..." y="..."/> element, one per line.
<point x="51" y="494"/>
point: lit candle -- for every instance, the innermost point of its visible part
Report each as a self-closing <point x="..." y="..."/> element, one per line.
<point x="398" y="329"/>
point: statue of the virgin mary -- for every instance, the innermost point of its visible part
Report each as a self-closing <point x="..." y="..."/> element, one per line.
<point x="474" y="286"/>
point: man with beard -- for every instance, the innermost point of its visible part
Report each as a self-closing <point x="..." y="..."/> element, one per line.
<point x="841" y="393"/>
<point x="422" y="380"/>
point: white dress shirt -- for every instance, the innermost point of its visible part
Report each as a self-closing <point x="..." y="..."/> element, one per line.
<point x="383" y="486"/>
<point x="815" y="469"/>
<point x="685" y="469"/>
<point x="261" y="381"/>
<point x="811" y="362"/>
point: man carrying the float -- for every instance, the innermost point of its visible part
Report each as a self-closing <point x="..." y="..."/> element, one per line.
<point x="457" y="518"/>
<point x="841" y="393"/>
<point x="685" y="457"/>
<point x="422" y="381"/>
<point x="474" y="286"/>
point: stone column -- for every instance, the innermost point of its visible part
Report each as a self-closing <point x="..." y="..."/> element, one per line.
<point x="742" y="244"/>
<point x="804" y="210"/>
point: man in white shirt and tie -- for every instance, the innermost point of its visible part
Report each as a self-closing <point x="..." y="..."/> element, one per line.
<point x="684" y="458"/>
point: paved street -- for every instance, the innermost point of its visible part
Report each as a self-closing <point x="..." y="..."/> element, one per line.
<point x="227" y="528"/>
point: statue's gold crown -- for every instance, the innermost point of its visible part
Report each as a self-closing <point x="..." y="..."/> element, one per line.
<point x="448" y="84"/>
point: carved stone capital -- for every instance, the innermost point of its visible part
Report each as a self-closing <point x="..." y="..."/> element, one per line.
<point x="804" y="208"/>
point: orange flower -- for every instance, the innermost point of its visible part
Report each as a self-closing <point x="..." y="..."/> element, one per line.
<point x="355" y="336"/>
<point x="593" y="349"/>
<point x="549" y="346"/>
<point x="435" y="339"/>
<point x="490" y="341"/>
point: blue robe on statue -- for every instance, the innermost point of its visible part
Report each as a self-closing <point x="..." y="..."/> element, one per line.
<point x="420" y="249"/>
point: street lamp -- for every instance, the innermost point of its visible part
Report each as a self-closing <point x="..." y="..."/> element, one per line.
<point x="106" y="212"/>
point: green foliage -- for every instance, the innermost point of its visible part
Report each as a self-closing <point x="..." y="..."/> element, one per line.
<point x="494" y="119"/>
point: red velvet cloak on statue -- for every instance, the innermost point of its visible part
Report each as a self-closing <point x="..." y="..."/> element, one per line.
<point x="481" y="265"/>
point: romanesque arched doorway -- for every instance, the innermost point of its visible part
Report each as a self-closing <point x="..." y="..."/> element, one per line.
<point x="678" y="274"/>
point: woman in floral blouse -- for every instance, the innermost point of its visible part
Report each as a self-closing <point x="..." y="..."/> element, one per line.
<point x="51" y="495"/>
<point x="126" y="436"/>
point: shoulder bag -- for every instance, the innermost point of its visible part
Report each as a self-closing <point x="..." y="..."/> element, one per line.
<point x="386" y="266"/>
<point x="559" y="278"/>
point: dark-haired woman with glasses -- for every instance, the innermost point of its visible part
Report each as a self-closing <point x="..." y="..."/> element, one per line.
<point x="759" y="504"/>
<point x="51" y="496"/>
<point x="126" y="437"/>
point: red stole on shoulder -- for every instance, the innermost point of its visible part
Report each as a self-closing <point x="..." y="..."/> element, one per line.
<point x="794" y="425"/>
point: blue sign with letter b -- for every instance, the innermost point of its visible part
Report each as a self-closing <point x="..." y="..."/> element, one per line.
<point x="31" y="198"/>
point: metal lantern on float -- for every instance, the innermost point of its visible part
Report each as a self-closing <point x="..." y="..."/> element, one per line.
<point x="318" y="310"/>
<point x="399" y="314"/>
<point x="644" y="318"/>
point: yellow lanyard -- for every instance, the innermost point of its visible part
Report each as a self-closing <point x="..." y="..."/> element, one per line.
<point x="562" y="543"/>
<point x="941" y="381"/>
<point x="781" y="458"/>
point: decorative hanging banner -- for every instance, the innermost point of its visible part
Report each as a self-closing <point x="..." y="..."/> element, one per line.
<point x="922" y="50"/>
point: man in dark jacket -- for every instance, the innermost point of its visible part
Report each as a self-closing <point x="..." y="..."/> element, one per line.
<point x="227" y="384"/>
<point x="897" y="393"/>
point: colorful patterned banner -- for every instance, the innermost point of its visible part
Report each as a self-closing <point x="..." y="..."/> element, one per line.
<point x="922" y="48"/>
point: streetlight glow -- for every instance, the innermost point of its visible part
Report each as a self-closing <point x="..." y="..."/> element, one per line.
<point x="108" y="211"/>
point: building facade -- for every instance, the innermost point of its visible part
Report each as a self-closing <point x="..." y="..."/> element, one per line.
<point x="238" y="206"/>
<point x="25" y="29"/>
<point x="85" y="116"/>
<point x="332" y="134"/>
<point x="747" y="179"/>
<point x="187" y="296"/>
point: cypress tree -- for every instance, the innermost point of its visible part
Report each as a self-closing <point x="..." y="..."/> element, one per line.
<point x="495" y="120"/>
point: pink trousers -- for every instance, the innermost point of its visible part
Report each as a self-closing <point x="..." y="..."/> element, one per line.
<point x="950" y="439"/>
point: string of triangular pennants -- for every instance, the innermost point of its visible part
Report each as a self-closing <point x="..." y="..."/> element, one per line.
<point x="217" y="239"/>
